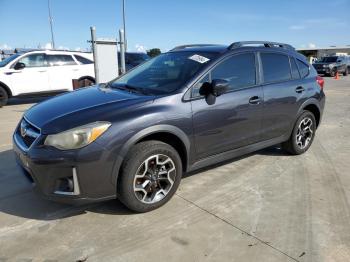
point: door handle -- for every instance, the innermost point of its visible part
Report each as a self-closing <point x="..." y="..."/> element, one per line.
<point x="299" y="89"/>
<point x="254" y="100"/>
<point x="42" y="71"/>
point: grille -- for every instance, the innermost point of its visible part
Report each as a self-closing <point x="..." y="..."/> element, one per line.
<point x="318" y="66"/>
<point x="27" y="133"/>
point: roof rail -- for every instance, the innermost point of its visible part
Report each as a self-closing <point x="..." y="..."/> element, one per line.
<point x="187" y="46"/>
<point x="264" y="43"/>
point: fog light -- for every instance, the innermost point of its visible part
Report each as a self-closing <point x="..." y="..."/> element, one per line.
<point x="68" y="185"/>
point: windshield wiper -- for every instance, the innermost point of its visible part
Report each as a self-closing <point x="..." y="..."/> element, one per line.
<point x="129" y="88"/>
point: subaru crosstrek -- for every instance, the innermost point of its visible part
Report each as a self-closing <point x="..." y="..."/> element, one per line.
<point x="194" y="106"/>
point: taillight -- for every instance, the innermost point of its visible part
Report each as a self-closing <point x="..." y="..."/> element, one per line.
<point x="320" y="81"/>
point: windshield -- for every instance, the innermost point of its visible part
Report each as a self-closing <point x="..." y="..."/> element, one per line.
<point x="165" y="73"/>
<point x="8" y="60"/>
<point x="329" y="59"/>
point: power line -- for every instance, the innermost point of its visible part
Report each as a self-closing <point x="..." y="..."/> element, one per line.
<point x="50" y="20"/>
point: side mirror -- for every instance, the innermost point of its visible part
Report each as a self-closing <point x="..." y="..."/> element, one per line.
<point x="214" y="89"/>
<point x="219" y="86"/>
<point x="19" y="66"/>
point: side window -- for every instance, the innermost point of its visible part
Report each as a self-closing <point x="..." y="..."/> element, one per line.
<point x="61" y="60"/>
<point x="34" y="60"/>
<point x="276" y="67"/>
<point x="295" y="71"/>
<point x="238" y="70"/>
<point x="197" y="86"/>
<point x="83" y="60"/>
<point x="303" y="68"/>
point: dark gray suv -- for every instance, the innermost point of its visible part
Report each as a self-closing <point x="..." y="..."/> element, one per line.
<point x="194" y="106"/>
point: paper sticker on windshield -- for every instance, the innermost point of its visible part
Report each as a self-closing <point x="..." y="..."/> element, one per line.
<point x="199" y="59"/>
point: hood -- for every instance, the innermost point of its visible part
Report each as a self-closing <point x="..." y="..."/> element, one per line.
<point x="81" y="107"/>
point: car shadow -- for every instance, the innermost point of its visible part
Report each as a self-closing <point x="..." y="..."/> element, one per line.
<point x="17" y="197"/>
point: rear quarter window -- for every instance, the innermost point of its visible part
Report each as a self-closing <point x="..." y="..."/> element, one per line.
<point x="83" y="60"/>
<point x="276" y="67"/>
<point x="303" y="68"/>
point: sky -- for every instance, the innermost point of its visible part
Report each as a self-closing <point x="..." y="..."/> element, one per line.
<point x="166" y="23"/>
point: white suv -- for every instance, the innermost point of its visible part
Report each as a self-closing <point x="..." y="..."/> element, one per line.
<point x="43" y="71"/>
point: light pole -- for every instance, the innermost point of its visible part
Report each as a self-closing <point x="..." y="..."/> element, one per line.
<point x="50" y="20"/>
<point x="125" y="44"/>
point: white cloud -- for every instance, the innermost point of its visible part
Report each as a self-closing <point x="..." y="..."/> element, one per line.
<point x="140" y="48"/>
<point x="297" y="27"/>
<point x="5" y="47"/>
<point x="78" y="49"/>
<point x="311" y="45"/>
<point x="47" y="46"/>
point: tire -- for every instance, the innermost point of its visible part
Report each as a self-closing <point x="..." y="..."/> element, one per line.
<point x="296" y="146"/>
<point x="333" y="73"/>
<point x="3" y="97"/>
<point x="82" y="82"/>
<point x="346" y="72"/>
<point x="138" y="186"/>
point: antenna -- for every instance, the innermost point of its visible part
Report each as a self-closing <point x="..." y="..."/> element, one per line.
<point x="50" y="20"/>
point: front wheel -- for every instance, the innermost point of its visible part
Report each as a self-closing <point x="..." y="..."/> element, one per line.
<point x="333" y="72"/>
<point x="150" y="175"/>
<point x="346" y="72"/>
<point x="303" y="134"/>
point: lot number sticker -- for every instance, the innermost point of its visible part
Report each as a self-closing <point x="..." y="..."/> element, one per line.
<point x="199" y="59"/>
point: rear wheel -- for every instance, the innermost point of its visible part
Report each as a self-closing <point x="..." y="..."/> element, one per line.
<point x="346" y="72"/>
<point x="150" y="176"/>
<point x="3" y="96"/>
<point x="303" y="134"/>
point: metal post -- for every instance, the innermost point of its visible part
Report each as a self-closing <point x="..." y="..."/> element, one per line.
<point x="50" y="20"/>
<point x="94" y="52"/>
<point x="122" y="50"/>
<point x="125" y="42"/>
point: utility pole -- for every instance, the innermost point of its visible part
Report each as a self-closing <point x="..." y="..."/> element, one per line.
<point x="125" y="43"/>
<point x="50" y="20"/>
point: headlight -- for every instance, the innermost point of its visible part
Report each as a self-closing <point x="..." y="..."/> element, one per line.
<point x="77" y="137"/>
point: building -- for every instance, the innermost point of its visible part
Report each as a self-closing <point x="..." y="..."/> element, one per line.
<point x="313" y="53"/>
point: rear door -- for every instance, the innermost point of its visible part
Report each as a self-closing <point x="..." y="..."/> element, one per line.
<point x="235" y="119"/>
<point x="284" y="91"/>
<point x="34" y="77"/>
<point x="61" y="71"/>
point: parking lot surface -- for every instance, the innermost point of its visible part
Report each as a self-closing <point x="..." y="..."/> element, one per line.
<point x="266" y="206"/>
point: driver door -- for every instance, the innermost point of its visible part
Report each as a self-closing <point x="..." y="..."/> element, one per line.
<point x="33" y="78"/>
<point x="234" y="120"/>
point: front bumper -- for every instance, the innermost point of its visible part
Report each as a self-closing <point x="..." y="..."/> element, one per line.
<point x="90" y="169"/>
<point x="325" y="70"/>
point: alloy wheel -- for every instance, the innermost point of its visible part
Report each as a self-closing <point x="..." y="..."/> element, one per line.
<point x="154" y="178"/>
<point x="305" y="133"/>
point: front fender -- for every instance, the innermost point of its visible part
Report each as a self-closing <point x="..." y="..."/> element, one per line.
<point x="142" y="134"/>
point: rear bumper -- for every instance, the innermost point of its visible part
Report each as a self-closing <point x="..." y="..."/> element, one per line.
<point x="89" y="167"/>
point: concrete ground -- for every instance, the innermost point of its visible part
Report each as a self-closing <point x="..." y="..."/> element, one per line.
<point x="267" y="206"/>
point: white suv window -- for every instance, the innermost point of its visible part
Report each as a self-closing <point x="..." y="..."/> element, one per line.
<point x="83" y="60"/>
<point x="34" y="60"/>
<point x="60" y="60"/>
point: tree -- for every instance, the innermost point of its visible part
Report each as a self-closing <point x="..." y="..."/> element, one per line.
<point x="154" y="52"/>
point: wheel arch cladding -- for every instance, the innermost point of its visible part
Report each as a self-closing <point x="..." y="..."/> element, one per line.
<point x="315" y="111"/>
